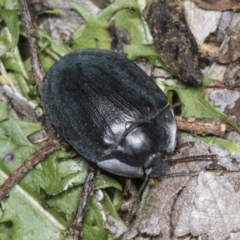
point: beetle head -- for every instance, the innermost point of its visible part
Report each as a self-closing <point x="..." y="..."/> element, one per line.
<point x="136" y="154"/>
<point x="156" y="164"/>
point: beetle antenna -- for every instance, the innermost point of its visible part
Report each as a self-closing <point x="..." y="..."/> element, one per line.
<point x="131" y="210"/>
<point x="206" y="157"/>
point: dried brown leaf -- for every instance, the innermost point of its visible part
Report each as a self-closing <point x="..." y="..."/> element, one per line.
<point x="173" y="39"/>
<point x="214" y="207"/>
<point x="187" y="202"/>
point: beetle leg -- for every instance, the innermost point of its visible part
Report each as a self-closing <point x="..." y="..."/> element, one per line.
<point x="127" y="187"/>
<point x="131" y="210"/>
<point x="185" y="144"/>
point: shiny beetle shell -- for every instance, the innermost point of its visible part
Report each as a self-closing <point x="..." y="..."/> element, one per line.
<point x="110" y="112"/>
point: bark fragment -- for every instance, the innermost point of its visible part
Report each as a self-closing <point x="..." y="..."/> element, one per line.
<point x="173" y="39"/>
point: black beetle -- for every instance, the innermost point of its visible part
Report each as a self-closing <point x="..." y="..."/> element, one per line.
<point x="111" y="112"/>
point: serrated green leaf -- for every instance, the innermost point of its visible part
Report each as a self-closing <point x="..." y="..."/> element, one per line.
<point x="23" y="198"/>
<point x="104" y="181"/>
<point x="10" y="17"/>
<point x="92" y="34"/>
<point x="3" y="111"/>
<point x="22" y="206"/>
<point x="28" y="218"/>
<point x="64" y="174"/>
<point x="64" y="204"/>
<point x="50" y="192"/>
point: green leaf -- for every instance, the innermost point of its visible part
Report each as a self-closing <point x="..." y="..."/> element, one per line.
<point x="115" y="7"/>
<point x="107" y="203"/>
<point x="9" y="4"/>
<point x="104" y="181"/>
<point x="27" y="218"/>
<point x="5" y="230"/>
<point x="92" y="34"/>
<point x="94" y="224"/>
<point x="3" y="111"/>
<point x="5" y="41"/>
<point x="52" y="11"/>
<point x="64" y="204"/>
<point x="28" y="128"/>
<point x="226" y="144"/>
<point x="20" y="83"/>
<point x="64" y="174"/>
<point x="11" y="63"/>
<point x="54" y="47"/>
<point x="92" y="219"/>
<point x="93" y="232"/>
<point x="24" y="198"/>
<point x="133" y="22"/>
<point x="22" y="207"/>
<point x="195" y="104"/>
<point x="10" y="17"/>
<point x="146" y="51"/>
<point x="117" y="199"/>
<point x="50" y="192"/>
<point x="14" y="62"/>
<point x="113" y="215"/>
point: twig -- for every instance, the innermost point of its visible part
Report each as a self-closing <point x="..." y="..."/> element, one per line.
<point x="29" y="164"/>
<point x="201" y="126"/>
<point x="76" y="227"/>
<point x="37" y="70"/>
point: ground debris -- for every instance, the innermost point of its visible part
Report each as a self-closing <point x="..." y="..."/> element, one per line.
<point x="173" y="38"/>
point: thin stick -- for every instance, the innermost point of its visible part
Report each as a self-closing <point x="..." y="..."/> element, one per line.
<point x="37" y="70"/>
<point x="29" y="164"/>
<point x="76" y="227"/>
